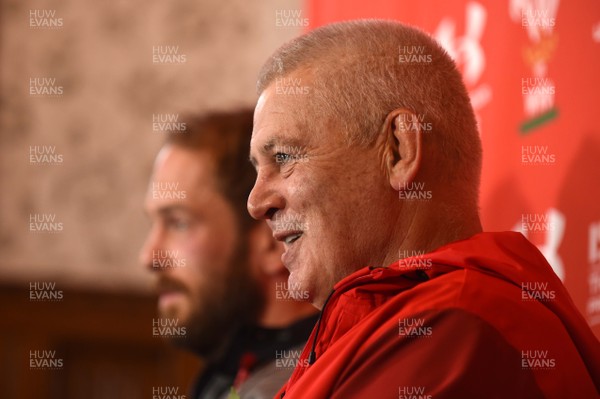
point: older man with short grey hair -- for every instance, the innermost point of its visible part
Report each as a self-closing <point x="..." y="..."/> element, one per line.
<point x="364" y="133"/>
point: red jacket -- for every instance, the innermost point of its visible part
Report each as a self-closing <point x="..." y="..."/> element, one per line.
<point x="484" y="317"/>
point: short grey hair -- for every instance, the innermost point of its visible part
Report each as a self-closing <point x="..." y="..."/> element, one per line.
<point x="358" y="79"/>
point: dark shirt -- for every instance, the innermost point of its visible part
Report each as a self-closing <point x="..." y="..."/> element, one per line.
<point x="251" y="348"/>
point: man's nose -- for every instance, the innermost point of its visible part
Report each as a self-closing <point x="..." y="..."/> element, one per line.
<point x="265" y="199"/>
<point x="151" y="249"/>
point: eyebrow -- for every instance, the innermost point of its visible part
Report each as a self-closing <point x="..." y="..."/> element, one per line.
<point x="166" y="210"/>
<point x="265" y="149"/>
<point x="172" y="208"/>
<point x="272" y="142"/>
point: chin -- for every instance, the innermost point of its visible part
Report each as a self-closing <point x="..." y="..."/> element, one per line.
<point x="299" y="284"/>
<point x="295" y="281"/>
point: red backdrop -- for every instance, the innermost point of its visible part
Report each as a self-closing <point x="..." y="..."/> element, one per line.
<point x="532" y="68"/>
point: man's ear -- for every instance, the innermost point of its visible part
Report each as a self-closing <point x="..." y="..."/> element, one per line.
<point x="403" y="147"/>
<point x="264" y="251"/>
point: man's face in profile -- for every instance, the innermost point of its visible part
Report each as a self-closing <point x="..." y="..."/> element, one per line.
<point x="195" y="250"/>
<point x="318" y="194"/>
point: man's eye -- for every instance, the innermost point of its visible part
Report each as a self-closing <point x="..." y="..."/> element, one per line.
<point x="282" y="157"/>
<point x="178" y="224"/>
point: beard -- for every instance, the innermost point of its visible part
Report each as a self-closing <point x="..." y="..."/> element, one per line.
<point x="230" y="301"/>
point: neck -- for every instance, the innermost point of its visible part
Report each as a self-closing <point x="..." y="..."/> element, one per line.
<point x="427" y="225"/>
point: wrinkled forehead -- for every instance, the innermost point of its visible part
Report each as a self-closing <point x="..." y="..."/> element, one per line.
<point x="280" y="107"/>
<point x="278" y="117"/>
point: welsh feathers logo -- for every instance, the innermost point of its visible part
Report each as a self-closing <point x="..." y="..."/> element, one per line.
<point x="538" y="18"/>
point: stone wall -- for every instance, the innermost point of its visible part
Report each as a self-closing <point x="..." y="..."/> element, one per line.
<point x="80" y="82"/>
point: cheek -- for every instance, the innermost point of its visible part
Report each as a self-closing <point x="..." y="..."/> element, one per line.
<point x="312" y="197"/>
<point x="341" y="210"/>
<point x="210" y="250"/>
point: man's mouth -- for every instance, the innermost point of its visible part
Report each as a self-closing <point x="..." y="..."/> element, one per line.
<point x="291" y="238"/>
<point x="166" y="286"/>
<point x="288" y="237"/>
<point x="290" y="253"/>
<point x="162" y="292"/>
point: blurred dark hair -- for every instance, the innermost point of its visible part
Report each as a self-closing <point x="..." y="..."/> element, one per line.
<point x="226" y="136"/>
